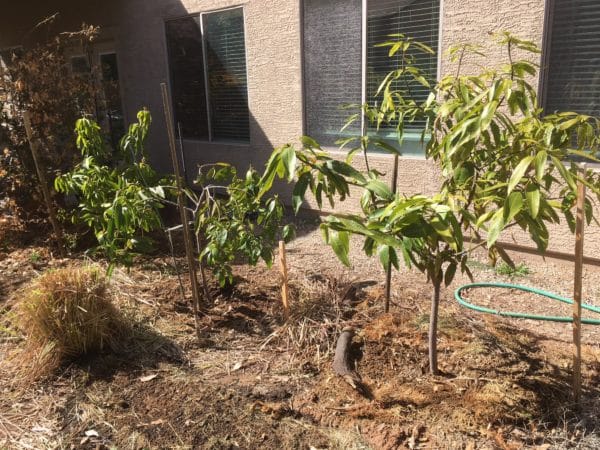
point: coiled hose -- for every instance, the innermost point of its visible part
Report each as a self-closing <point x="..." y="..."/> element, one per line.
<point x="518" y="315"/>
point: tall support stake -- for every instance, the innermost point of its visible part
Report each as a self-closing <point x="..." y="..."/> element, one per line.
<point x="388" y="274"/>
<point x="284" y="280"/>
<point x="187" y="237"/>
<point x="39" y="168"/>
<point x="579" y="232"/>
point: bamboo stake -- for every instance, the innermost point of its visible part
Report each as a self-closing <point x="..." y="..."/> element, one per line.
<point x="579" y="233"/>
<point x="284" y="280"/>
<point x="388" y="274"/>
<point x="189" y="249"/>
<point x="39" y="168"/>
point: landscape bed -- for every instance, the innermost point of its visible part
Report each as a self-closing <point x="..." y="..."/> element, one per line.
<point x="255" y="381"/>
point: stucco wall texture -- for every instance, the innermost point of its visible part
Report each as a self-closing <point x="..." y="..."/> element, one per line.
<point x="274" y="64"/>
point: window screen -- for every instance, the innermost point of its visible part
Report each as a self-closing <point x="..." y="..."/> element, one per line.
<point x="417" y="19"/>
<point x="184" y="42"/>
<point x="573" y="79"/>
<point x="332" y="66"/>
<point x="333" y="58"/>
<point x="226" y="60"/>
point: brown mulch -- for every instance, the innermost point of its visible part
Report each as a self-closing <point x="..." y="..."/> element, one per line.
<point x="254" y="382"/>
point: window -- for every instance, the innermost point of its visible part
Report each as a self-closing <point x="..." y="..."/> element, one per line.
<point x="80" y="65"/>
<point x="572" y="78"/>
<point x="207" y="60"/>
<point x="109" y="70"/>
<point x="334" y="43"/>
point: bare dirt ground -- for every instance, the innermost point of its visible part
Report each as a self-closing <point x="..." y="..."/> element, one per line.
<point x="257" y="382"/>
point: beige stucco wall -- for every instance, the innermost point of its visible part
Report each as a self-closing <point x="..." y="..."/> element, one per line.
<point x="273" y="41"/>
<point x="273" y="64"/>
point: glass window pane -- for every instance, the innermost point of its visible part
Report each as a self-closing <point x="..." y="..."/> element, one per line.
<point x="416" y="19"/>
<point x="184" y="42"/>
<point x="574" y="60"/>
<point x="226" y="60"/>
<point x="112" y="94"/>
<point x="332" y="67"/>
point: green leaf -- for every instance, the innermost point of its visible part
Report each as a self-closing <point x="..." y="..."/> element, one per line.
<point x="309" y="142"/>
<point x="288" y="158"/>
<point x="346" y="170"/>
<point x="533" y="199"/>
<point x="519" y="172"/>
<point x="387" y="256"/>
<point x="450" y="272"/>
<point x="540" y="164"/>
<point x="300" y="190"/>
<point x="380" y="189"/>
<point x="288" y="232"/>
<point x="495" y="227"/>
<point x="340" y="243"/>
<point x="512" y="206"/>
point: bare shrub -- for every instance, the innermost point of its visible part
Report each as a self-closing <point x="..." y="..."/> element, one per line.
<point x="38" y="78"/>
<point x="68" y="313"/>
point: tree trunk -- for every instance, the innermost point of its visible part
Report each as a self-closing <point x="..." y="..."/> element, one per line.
<point x="433" y="321"/>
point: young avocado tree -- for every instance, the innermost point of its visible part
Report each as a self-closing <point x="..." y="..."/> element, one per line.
<point x="234" y="218"/>
<point x="120" y="198"/>
<point x="504" y="163"/>
<point x="119" y="194"/>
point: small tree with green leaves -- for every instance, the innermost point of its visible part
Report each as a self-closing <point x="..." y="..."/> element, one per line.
<point x="119" y="194"/>
<point x="233" y="218"/>
<point x="505" y="163"/>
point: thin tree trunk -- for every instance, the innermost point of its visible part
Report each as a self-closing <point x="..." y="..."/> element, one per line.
<point x="433" y="321"/>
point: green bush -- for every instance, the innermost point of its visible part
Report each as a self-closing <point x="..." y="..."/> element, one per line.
<point x="120" y="195"/>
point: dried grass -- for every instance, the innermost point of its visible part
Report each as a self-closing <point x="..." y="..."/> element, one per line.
<point x="68" y="313"/>
<point x="317" y="316"/>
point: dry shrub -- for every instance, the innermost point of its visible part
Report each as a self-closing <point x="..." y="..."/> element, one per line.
<point x="66" y="314"/>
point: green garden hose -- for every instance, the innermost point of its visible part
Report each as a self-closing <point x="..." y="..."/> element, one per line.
<point x="463" y="302"/>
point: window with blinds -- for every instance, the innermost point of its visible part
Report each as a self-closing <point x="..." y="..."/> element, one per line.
<point x="332" y="66"/>
<point x="226" y="67"/>
<point x="573" y="71"/>
<point x="333" y="59"/>
<point x="207" y="61"/>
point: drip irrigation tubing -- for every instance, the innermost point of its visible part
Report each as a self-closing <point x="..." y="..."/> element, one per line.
<point x="518" y="315"/>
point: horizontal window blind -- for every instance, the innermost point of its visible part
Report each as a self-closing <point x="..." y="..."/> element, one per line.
<point x="226" y="60"/>
<point x="333" y="46"/>
<point x="573" y="81"/>
<point x="416" y="19"/>
<point x="184" y="42"/>
<point x="332" y="66"/>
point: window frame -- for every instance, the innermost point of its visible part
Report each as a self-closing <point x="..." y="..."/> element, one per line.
<point x="364" y="51"/>
<point x="199" y="15"/>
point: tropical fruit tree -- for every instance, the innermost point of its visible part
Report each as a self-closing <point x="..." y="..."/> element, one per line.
<point x="505" y="162"/>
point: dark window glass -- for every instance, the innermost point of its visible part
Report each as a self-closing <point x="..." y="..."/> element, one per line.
<point x="417" y="19"/>
<point x="184" y="42"/>
<point x="573" y="82"/>
<point x="112" y="95"/>
<point x="227" y="84"/>
<point x="332" y="66"/>
<point x="333" y="60"/>
<point x="80" y="65"/>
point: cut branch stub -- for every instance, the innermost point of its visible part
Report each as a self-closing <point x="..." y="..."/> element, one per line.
<point x="343" y="363"/>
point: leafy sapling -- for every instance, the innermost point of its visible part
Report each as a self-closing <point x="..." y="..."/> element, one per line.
<point x="119" y="194"/>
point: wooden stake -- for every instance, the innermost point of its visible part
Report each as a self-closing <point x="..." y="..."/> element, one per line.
<point x="579" y="233"/>
<point x="388" y="274"/>
<point x="284" y="280"/>
<point x="187" y="237"/>
<point x="41" y="173"/>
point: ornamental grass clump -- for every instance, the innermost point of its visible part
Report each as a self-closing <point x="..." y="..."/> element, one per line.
<point x="68" y="313"/>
